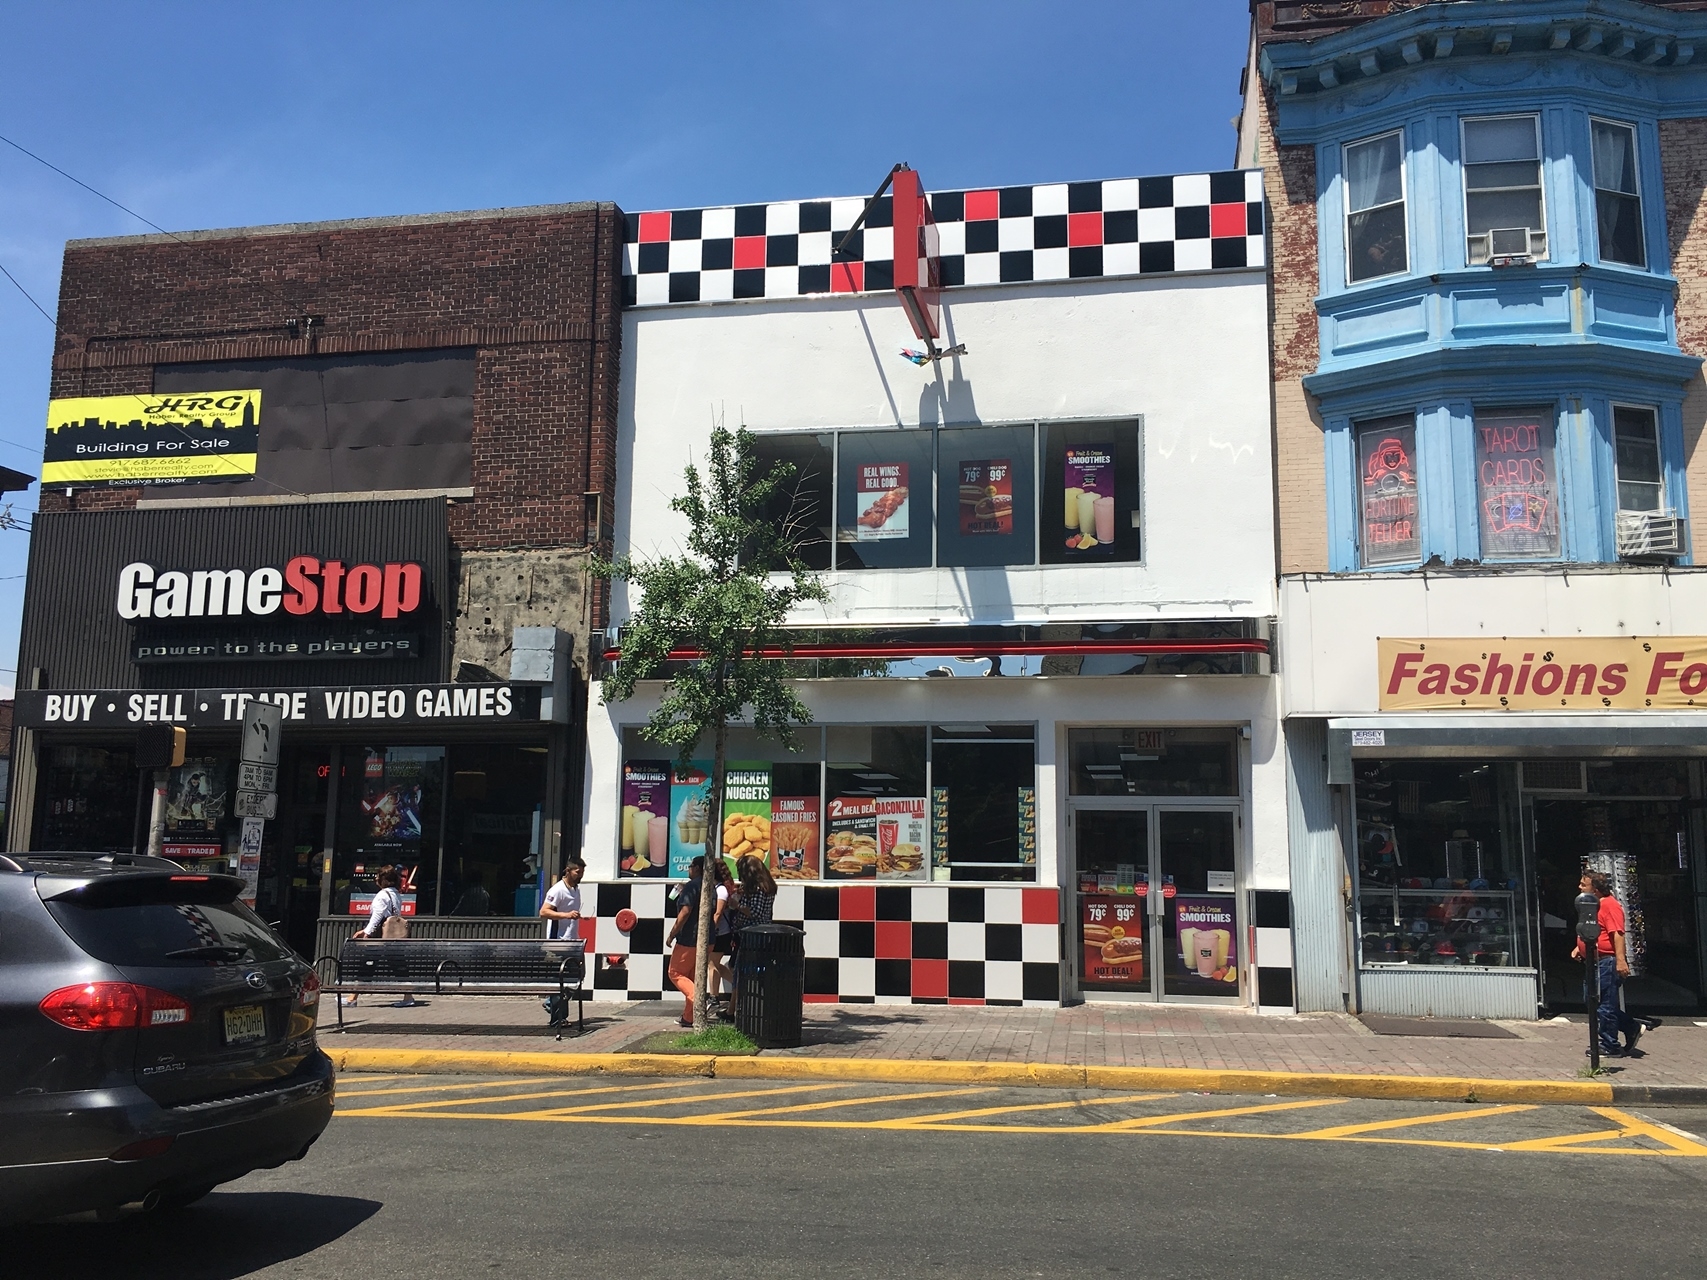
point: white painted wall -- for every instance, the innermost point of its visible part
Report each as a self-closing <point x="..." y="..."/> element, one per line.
<point x="1329" y="626"/>
<point x="1188" y="353"/>
<point x="1052" y="703"/>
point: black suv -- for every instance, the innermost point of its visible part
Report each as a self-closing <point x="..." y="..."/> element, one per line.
<point x="156" y="1038"/>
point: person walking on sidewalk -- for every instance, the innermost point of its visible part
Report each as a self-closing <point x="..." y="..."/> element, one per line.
<point x="683" y="953"/>
<point x="561" y="909"/>
<point x="1613" y="960"/>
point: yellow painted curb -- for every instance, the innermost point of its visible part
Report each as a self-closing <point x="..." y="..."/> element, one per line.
<point x="1026" y="1074"/>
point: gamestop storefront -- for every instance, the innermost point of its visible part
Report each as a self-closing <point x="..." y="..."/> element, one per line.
<point x="338" y="612"/>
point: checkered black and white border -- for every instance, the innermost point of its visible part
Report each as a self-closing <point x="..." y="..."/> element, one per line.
<point x="1055" y="231"/>
<point x="866" y="943"/>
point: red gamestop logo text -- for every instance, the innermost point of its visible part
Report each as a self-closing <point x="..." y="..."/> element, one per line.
<point x="306" y="585"/>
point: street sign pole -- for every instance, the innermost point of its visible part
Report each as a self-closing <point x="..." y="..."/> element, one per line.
<point x="257" y="787"/>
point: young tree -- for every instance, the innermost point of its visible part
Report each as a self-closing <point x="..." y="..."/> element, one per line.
<point x="719" y="606"/>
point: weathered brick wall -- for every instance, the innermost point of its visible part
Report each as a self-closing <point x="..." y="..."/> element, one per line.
<point x="1289" y="179"/>
<point x="1683" y="163"/>
<point x="535" y="291"/>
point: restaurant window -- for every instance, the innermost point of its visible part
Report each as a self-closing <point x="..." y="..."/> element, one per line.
<point x="805" y="502"/>
<point x="390" y="814"/>
<point x="1516" y="487"/>
<point x="1641" y="482"/>
<point x="77" y="809"/>
<point x="493" y="831"/>
<point x="883" y="499"/>
<point x="1387" y="491"/>
<point x="986" y="496"/>
<point x="1152" y="762"/>
<point x="1504" y="213"/>
<point x="1091" y="493"/>
<point x="876" y="806"/>
<point x="1617" y="198"/>
<point x="1439" y="876"/>
<point x="984" y="800"/>
<point x="1375" y="208"/>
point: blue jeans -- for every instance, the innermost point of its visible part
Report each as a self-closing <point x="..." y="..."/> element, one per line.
<point x="1610" y="1017"/>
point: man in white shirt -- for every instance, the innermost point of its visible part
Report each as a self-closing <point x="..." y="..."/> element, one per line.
<point x="562" y="907"/>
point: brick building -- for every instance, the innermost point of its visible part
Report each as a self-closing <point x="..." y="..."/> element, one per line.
<point x="1488" y="332"/>
<point x="435" y="390"/>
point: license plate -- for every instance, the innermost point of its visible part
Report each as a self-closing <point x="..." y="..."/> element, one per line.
<point x="245" y="1024"/>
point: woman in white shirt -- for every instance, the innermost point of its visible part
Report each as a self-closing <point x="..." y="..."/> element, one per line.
<point x="387" y="905"/>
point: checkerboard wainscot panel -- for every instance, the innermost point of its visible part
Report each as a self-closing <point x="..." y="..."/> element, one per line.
<point x="1055" y="231"/>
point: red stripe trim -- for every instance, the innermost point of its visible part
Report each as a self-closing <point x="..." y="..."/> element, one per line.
<point x="986" y="649"/>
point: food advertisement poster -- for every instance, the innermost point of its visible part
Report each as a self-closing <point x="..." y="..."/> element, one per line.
<point x="794" y="837"/>
<point x="986" y="497"/>
<point x="1112" y="932"/>
<point x="391" y="797"/>
<point x="939" y="830"/>
<point x="901" y="839"/>
<point x="152" y="439"/>
<point x="1088" y="506"/>
<point x="1208" y="954"/>
<point x="690" y="814"/>
<point x="645" y="822"/>
<point x="880" y="497"/>
<point x="195" y="796"/>
<point x="851" y="839"/>
<point x="1028" y="825"/>
<point x="747" y="810"/>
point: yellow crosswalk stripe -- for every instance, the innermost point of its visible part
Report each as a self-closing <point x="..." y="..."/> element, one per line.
<point x="421" y="1108"/>
<point x="446" y="1088"/>
<point x="1346" y="1130"/>
<point x="942" y="1117"/>
<point x="1145" y="1122"/>
<point x="1636" y="1126"/>
<point x="843" y="1102"/>
<point x="554" y="1112"/>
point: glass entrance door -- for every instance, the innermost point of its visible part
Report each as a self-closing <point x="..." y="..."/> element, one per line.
<point x="1156" y="902"/>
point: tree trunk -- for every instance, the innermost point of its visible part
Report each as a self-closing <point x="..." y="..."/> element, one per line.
<point x="708" y="886"/>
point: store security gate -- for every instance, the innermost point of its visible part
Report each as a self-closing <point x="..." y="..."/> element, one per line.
<point x="1155" y="902"/>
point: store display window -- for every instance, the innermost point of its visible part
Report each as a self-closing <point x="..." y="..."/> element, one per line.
<point x="1517" y="486"/>
<point x="884" y="499"/>
<point x="1152" y="762"/>
<point x="876" y="803"/>
<point x="390" y="813"/>
<point x="986" y="496"/>
<point x="76" y="809"/>
<point x="493" y="831"/>
<point x="806" y="502"/>
<point x="1090" y="494"/>
<point x="984" y="800"/>
<point x="1387" y="491"/>
<point x="1440" y="879"/>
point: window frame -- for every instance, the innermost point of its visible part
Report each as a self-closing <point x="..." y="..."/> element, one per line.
<point x="1534" y="117"/>
<point x="1359" y="426"/>
<point x="1636" y="195"/>
<point x="1554" y="414"/>
<point x="1653" y="413"/>
<point x="1347" y="211"/>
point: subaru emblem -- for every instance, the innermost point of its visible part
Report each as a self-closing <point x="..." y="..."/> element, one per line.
<point x="255" y="979"/>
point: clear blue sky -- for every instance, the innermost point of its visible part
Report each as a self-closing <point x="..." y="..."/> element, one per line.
<point x="220" y="114"/>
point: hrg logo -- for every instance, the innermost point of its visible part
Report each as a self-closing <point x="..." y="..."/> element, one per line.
<point x="305" y="585"/>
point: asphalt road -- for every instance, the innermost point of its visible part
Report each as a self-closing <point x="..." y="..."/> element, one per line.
<point x="448" y="1177"/>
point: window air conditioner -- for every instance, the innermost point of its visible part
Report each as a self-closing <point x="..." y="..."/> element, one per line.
<point x="1553" y="775"/>
<point x="1507" y="247"/>
<point x="1649" y="533"/>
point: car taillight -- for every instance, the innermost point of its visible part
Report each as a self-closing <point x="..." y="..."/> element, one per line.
<point x="113" y="1006"/>
<point x="308" y="994"/>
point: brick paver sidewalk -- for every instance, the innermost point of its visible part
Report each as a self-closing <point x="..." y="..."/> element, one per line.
<point x="1092" y="1034"/>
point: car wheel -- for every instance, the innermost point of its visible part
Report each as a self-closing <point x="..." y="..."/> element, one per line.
<point x="184" y="1198"/>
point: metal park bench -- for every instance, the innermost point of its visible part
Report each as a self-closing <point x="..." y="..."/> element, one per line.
<point x="556" y="968"/>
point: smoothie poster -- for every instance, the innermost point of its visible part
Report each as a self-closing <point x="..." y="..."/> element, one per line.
<point x="880" y="498"/>
<point x="986" y="498"/>
<point x="747" y="810"/>
<point x="1088" y="509"/>
<point x="1111" y="929"/>
<point x="1208" y="943"/>
<point x="690" y="814"/>
<point x="645" y="823"/>
<point x="794" y="837"/>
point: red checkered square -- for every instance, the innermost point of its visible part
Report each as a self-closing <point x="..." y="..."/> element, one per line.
<point x="1227" y="219"/>
<point x="590" y="932"/>
<point x="965" y="1000"/>
<point x="749" y="252"/>
<point x="1084" y="229"/>
<point x="981" y="205"/>
<point x="1039" y="906"/>
<point x="809" y="998"/>
<point x="930" y="979"/>
<point x="654" y="227"/>
<point x="859" y="902"/>
<point x="847" y="277"/>
<point x="894" y="939"/>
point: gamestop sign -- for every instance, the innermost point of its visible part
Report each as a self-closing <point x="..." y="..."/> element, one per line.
<point x="1580" y="673"/>
<point x="305" y="585"/>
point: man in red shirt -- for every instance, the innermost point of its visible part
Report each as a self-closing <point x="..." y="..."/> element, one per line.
<point x="1613" y="960"/>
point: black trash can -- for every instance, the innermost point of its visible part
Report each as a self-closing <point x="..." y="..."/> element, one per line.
<point x="770" y="985"/>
